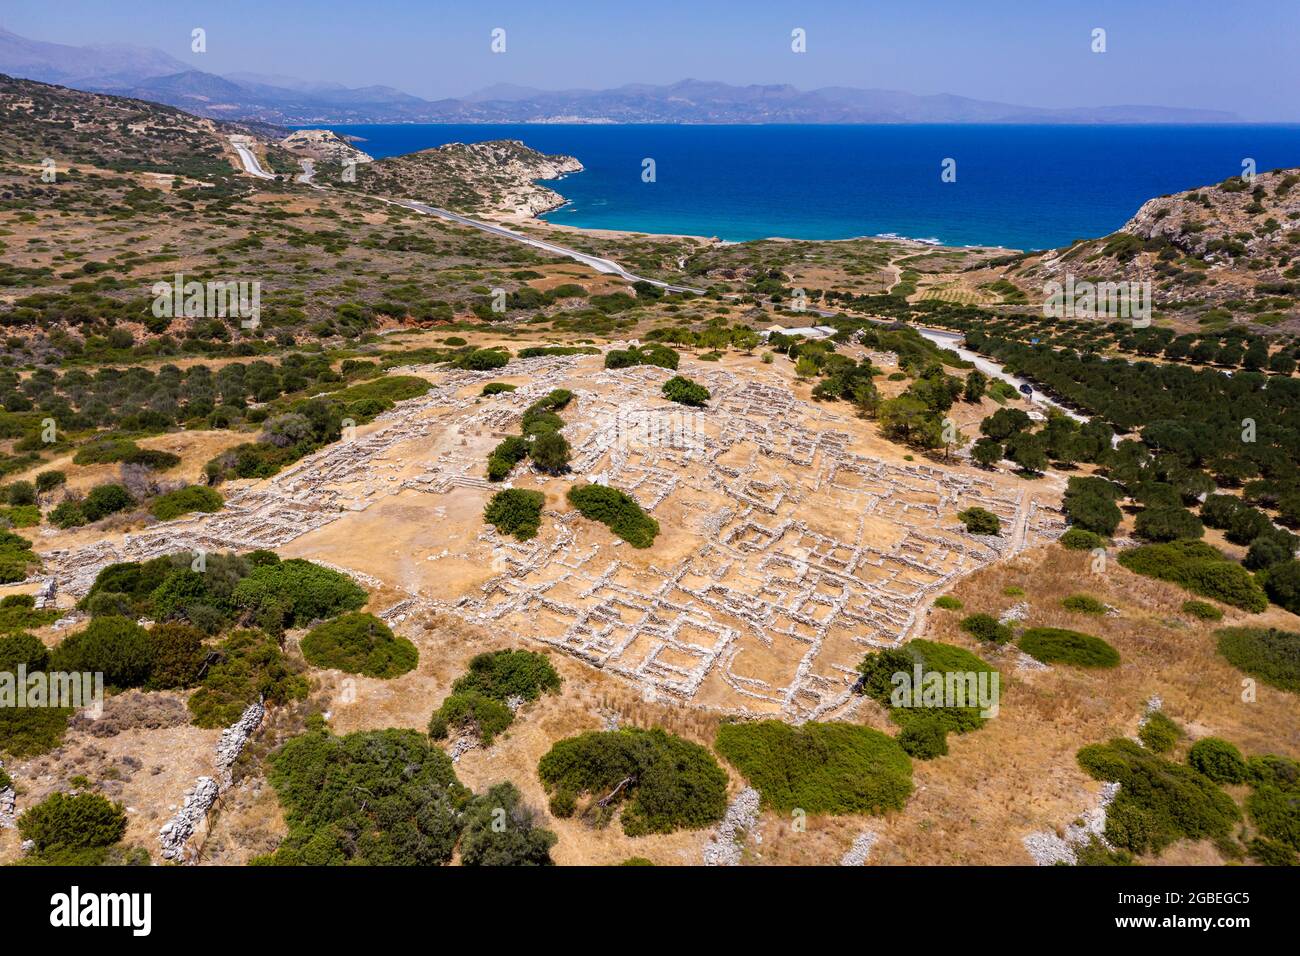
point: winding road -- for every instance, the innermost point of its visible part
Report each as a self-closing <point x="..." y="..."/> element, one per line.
<point x="943" y="339"/>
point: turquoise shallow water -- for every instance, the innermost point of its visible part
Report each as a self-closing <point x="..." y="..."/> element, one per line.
<point x="1026" y="187"/>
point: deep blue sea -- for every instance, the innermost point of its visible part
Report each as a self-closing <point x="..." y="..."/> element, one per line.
<point x="1025" y="187"/>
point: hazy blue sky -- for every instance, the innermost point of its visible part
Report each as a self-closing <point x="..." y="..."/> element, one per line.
<point x="1230" y="55"/>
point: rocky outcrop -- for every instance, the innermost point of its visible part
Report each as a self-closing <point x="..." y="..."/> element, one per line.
<point x="324" y="145"/>
<point x="496" y="176"/>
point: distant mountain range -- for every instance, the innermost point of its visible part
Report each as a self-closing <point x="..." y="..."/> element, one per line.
<point x="150" y="74"/>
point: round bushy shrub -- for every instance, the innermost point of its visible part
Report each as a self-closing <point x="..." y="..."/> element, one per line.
<point x="104" y="500"/>
<point x="185" y="501"/>
<point x="1282" y="585"/>
<point x="480" y="715"/>
<point x="1078" y="539"/>
<point x="516" y="511"/>
<point x="1218" y="760"/>
<point x="379" y="798"/>
<point x="832" y="768"/>
<point x="1202" y="611"/>
<point x="948" y="603"/>
<point x="550" y="453"/>
<point x="177" y="654"/>
<point x="1057" y="645"/>
<point x="1083" y="604"/>
<point x="117" y="647"/>
<point x="359" y="644"/>
<point x="662" y="782"/>
<point x="24" y="649"/>
<point x="617" y="511"/>
<point x="73" y="822"/>
<point x="296" y="592"/>
<point x="924" y="739"/>
<point x="502" y="675"/>
<point x="683" y="391"/>
<point x="1267" y="653"/>
<point x="1159" y="733"/>
<point x="501" y="830"/>
<point x="980" y="521"/>
<point x="985" y="627"/>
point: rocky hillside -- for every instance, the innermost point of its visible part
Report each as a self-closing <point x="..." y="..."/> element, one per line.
<point x="324" y="145"/>
<point x="1214" y="254"/>
<point x="497" y="176"/>
<point x="39" y="121"/>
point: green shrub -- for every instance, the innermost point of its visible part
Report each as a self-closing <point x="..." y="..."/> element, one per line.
<point x="516" y="511"/>
<point x="922" y="704"/>
<point x="1202" y="611"/>
<point x="980" y="521"/>
<point x="105" y="451"/>
<point x="1199" y="568"/>
<point x="377" y="798"/>
<point x="1083" y="604"/>
<point x="1159" y="733"/>
<point x="176" y="655"/>
<point x="186" y="500"/>
<point x="359" y="644"/>
<point x="1077" y="539"/>
<point x="1267" y="653"/>
<point x="652" y="354"/>
<point x="617" y="511"/>
<point x="296" y="592"/>
<point x="1282" y="585"/>
<point x="117" y="647"/>
<point x="501" y="830"/>
<point x="67" y="514"/>
<point x="948" y="603"/>
<point x="22" y="516"/>
<point x="47" y="481"/>
<point x="985" y="627"/>
<point x="1271" y="853"/>
<point x="831" y="768"/>
<point x="249" y="665"/>
<point x="924" y="739"/>
<point x="550" y="453"/>
<point x="1274" y="802"/>
<point x="24" y="649"/>
<point x="469" y="711"/>
<point x="1159" y="801"/>
<point x="104" y="500"/>
<point x="63" y="822"/>
<point x="483" y="360"/>
<point x="683" y="391"/>
<point x="1057" y="645"/>
<point x="662" y="782"/>
<point x="1218" y="760"/>
<point x="16" y="557"/>
<point x="505" y="674"/>
<point x="1167" y="524"/>
<point x="496" y="388"/>
<point x="15" y="616"/>
<point x="30" y="731"/>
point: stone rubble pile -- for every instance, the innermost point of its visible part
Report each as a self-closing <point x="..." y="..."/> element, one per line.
<point x="1048" y="849"/>
<point x="857" y="854"/>
<point x="727" y="845"/>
